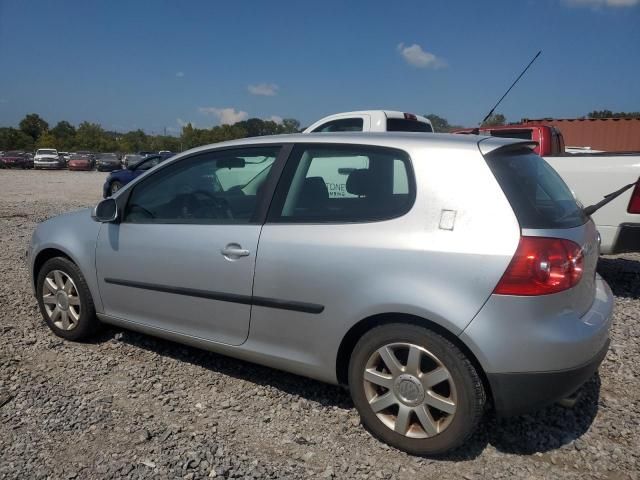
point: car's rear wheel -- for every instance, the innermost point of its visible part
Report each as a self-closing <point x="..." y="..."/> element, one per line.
<point x="414" y="389"/>
<point x="115" y="186"/>
<point x="65" y="300"/>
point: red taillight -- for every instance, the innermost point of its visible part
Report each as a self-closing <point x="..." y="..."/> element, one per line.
<point x="542" y="266"/>
<point x="634" y="203"/>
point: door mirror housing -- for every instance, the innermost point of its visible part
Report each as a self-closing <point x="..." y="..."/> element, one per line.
<point x="106" y="211"/>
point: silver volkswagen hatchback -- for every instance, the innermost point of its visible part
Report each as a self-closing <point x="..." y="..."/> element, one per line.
<point x="435" y="275"/>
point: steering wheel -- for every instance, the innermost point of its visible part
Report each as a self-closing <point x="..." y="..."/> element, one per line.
<point x="202" y="209"/>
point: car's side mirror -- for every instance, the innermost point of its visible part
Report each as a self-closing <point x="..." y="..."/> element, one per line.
<point x="105" y="211"/>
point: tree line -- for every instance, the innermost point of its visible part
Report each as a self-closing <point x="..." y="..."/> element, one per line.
<point x="33" y="132"/>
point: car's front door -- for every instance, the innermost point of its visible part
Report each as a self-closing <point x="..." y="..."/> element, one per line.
<point x="182" y="257"/>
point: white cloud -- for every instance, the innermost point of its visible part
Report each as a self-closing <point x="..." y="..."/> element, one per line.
<point x="179" y="74"/>
<point x="275" y="118"/>
<point x="414" y="55"/>
<point x="602" y="3"/>
<point x="227" y="116"/>
<point x="264" y="89"/>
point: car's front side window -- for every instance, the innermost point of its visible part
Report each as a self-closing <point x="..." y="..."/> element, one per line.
<point x="343" y="183"/>
<point x="206" y="189"/>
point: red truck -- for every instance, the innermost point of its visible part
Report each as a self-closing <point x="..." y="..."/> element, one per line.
<point x="549" y="138"/>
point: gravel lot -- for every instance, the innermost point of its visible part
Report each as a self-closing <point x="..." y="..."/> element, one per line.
<point x="127" y="405"/>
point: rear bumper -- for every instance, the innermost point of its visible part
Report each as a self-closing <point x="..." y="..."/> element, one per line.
<point x="518" y="393"/>
<point x="628" y="239"/>
<point x="538" y="350"/>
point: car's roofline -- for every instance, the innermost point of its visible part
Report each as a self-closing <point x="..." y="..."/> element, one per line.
<point x="399" y="140"/>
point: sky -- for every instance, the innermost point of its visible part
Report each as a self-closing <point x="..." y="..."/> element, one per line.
<point x="158" y="64"/>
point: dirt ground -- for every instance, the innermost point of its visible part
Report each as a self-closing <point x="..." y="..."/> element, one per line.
<point x="130" y="406"/>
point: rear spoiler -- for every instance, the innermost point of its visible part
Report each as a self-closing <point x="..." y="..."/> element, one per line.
<point x="495" y="145"/>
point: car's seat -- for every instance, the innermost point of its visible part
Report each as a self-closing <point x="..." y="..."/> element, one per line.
<point x="359" y="183"/>
<point x="313" y="197"/>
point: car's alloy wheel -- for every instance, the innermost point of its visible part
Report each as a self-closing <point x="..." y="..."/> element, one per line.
<point x="61" y="300"/>
<point x="415" y="396"/>
<point x="65" y="300"/>
<point x="415" y="389"/>
<point x="115" y="186"/>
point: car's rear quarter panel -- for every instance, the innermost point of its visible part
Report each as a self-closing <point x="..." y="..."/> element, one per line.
<point x="407" y="265"/>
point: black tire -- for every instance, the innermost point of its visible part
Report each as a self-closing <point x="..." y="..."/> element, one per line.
<point x="470" y="394"/>
<point x="87" y="324"/>
<point x="114" y="187"/>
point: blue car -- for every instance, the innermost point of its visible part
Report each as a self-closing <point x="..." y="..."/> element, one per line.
<point x="118" y="178"/>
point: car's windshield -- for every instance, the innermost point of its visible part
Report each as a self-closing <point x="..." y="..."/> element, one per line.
<point x="147" y="163"/>
<point x="253" y="167"/>
<point x="43" y="151"/>
<point x="108" y="156"/>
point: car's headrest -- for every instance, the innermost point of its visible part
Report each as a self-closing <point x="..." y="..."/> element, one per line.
<point x="314" y="193"/>
<point x="359" y="182"/>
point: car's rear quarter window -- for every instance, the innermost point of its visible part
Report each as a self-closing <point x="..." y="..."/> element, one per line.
<point x="538" y="195"/>
<point x="328" y="183"/>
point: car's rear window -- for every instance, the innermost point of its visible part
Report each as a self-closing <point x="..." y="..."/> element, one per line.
<point x="406" y="125"/>
<point x="538" y="195"/>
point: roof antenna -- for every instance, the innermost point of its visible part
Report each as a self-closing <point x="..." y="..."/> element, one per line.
<point x="477" y="129"/>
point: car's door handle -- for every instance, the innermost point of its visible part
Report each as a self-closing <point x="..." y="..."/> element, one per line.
<point x="233" y="250"/>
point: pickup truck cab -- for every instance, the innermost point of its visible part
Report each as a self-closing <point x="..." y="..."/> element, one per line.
<point x="371" y="121"/>
<point x="591" y="175"/>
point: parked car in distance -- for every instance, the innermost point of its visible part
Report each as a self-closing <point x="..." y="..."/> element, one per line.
<point x="166" y="154"/>
<point x="65" y="156"/>
<point x="107" y="162"/>
<point x="145" y="153"/>
<point x="441" y="280"/>
<point x="119" y="178"/>
<point x="15" y="159"/>
<point x="29" y="159"/>
<point x="47" y="158"/>
<point x="80" y="162"/>
<point x="372" y="121"/>
<point x="590" y="175"/>
<point x="131" y="159"/>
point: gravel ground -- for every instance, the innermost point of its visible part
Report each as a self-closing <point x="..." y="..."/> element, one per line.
<point x="127" y="405"/>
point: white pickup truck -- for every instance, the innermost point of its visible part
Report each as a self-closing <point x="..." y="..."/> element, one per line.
<point x="47" y="158"/>
<point x="590" y="176"/>
<point x="372" y="121"/>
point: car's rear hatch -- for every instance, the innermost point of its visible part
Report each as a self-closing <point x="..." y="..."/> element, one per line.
<point x="546" y="208"/>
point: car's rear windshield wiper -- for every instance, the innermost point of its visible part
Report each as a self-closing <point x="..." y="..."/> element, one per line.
<point x="591" y="209"/>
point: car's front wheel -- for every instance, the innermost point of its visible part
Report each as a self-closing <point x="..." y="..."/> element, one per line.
<point x="414" y="389"/>
<point x="115" y="186"/>
<point x="65" y="300"/>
